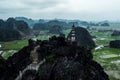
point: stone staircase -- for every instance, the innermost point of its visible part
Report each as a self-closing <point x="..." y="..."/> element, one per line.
<point x="34" y="65"/>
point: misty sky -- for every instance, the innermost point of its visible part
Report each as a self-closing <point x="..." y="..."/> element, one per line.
<point x="64" y="9"/>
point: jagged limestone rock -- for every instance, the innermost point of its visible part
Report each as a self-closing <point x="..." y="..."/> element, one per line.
<point x="83" y="38"/>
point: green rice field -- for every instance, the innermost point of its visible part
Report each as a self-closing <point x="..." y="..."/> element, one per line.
<point x="109" y="58"/>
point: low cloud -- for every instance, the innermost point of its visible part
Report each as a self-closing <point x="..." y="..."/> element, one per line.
<point x="69" y="9"/>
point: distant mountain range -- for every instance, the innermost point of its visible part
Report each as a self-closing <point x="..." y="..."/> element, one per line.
<point x="29" y="21"/>
<point x="22" y="27"/>
<point x="32" y="22"/>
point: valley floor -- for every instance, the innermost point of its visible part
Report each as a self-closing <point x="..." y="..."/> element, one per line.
<point x="109" y="58"/>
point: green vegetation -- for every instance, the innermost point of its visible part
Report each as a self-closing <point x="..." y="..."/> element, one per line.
<point x="103" y="37"/>
<point x="19" y="44"/>
<point x="14" y="45"/>
<point x="109" y="58"/>
<point x="8" y="53"/>
<point x="66" y="32"/>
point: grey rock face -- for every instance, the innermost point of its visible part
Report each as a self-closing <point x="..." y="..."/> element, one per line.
<point x="83" y="38"/>
<point x="70" y="62"/>
<point x="64" y="61"/>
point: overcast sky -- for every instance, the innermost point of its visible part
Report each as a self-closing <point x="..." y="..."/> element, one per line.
<point x="64" y="9"/>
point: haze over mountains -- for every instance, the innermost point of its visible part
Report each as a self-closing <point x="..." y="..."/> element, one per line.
<point x="22" y="27"/>
<point x="31" y="21"/>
